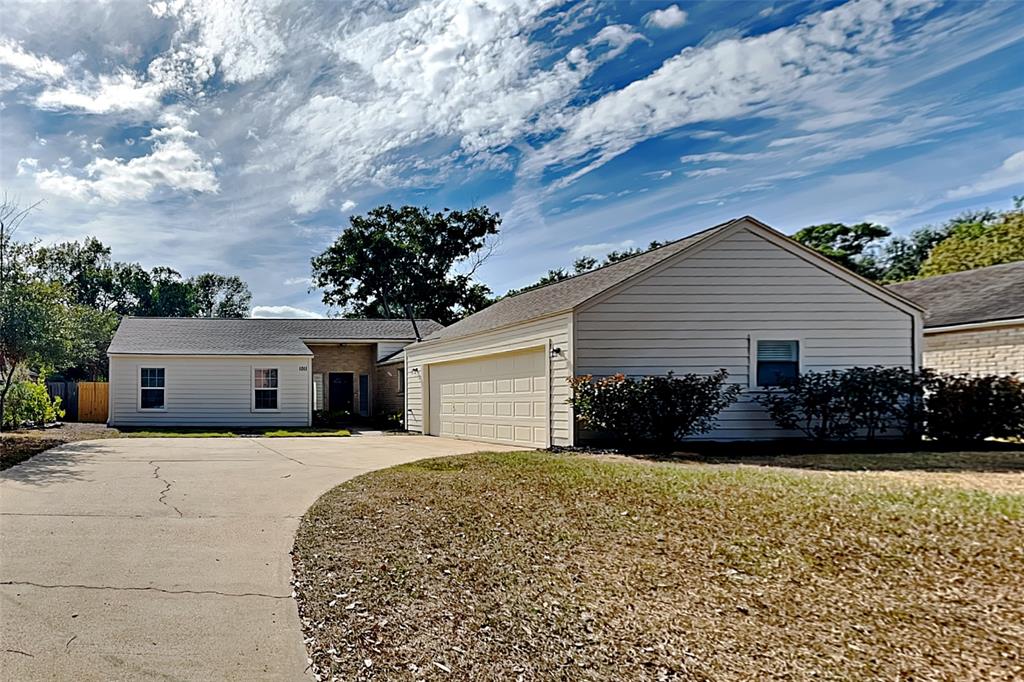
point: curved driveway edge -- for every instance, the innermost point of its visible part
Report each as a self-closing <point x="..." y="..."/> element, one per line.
<point x="168" y="558"/>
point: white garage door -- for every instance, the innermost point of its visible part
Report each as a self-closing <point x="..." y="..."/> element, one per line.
<point x="499" y="398"/>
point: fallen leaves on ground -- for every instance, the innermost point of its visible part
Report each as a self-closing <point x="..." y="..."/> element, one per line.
<point x="537" y="566"/>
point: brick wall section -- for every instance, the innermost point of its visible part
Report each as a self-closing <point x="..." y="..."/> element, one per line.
<point x="387" y="399"/>
<point x="355" y="358"/>
<point x="996" y="350"/>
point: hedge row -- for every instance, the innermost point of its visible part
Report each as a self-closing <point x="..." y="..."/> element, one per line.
<point x="855" y="403"/>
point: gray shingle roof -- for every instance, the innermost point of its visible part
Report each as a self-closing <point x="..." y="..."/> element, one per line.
<point x="204" y="336"/>
<point x="568" y="293"/>
<point x="982" y="295"/>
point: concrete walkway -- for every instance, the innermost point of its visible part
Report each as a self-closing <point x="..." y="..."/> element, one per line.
<point x="168" y="558"/>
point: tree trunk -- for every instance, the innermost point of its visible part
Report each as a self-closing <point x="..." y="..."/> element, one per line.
<point x="8" y="382"/>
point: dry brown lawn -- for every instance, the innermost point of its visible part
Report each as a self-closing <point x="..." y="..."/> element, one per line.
<point x="538" y="566"/>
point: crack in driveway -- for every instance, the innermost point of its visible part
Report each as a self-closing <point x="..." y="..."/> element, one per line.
<point x="162" y="590"/>
<point x="167" y="488"/>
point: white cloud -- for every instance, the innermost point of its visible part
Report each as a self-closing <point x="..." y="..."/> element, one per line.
<point x="285" y="311"/>
<point x="292" y="281"/>
<point x="467" y="74"/>
<point x="242" y="35"/>
<point x="348" y="205"/>
<point x="706" y="172"/>
<point x="670" y="17"/>
<point x="171" y="164"/>
<point x="117" y="93"/>
<point x="732" y="78"/>
<point x="602" y="248"/>
<point x="27" y="165"/>
<point x="26" y="65"/>
<point x="590" y="197"/>
<point x="1010" y="173"/>
<point x="715" y="157"/>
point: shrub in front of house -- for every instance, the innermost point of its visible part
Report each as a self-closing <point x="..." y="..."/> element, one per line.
<point x="971" y="408"/>
<point x="863" y="402"/>
<point x="28" y="404"/>
<point x="866" y="402"/>
<point x="813" y="402"/>
<point x="654" y="410"/>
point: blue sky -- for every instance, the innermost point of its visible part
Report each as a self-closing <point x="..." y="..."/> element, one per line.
<point x="239" y="136"/>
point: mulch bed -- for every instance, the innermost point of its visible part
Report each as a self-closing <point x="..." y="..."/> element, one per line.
<point x="537" y="566"/>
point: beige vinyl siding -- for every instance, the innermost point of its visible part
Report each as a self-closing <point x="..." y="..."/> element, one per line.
<point x="551" y="331"/>
<point x="386" y="348"/>
<point x="209" y="391"/>
<point x="703" y="311"/>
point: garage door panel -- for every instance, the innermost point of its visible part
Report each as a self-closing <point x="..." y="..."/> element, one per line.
<point x="501" y="398"/>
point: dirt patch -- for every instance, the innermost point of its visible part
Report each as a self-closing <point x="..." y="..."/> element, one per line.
<point x="18" y="446"/>
<point x="540" y="566"/>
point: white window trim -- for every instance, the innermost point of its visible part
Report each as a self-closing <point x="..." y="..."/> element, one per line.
<point x="752" y="360"/>
<point x="138" y="396"/>
<point x="252" y="389"/>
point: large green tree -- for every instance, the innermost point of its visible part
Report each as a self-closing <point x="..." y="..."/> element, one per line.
<point x="220" y="295"/>
<point x="39" y="323"/>
<point x="852" y="246"/>
<point x="978" y="245"/>
<point x="393" y="259"/>
<point x="93" y="279"/>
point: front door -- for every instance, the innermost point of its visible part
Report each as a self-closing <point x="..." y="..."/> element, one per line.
<point x="340" y="396"/>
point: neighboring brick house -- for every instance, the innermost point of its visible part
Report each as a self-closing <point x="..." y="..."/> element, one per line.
<point x="390" y="385"/>
<point x="975" y="319"/>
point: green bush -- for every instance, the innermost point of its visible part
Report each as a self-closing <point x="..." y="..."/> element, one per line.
<point x="28" y="404"/>
<point x="814" y="402"/>
<point x="965" y="408"/>
<point x="855" y="402"/>
<point x="864" y="402"/>
<point x="655" y="410"/>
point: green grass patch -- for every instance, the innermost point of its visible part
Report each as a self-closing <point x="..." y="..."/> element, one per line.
<point x="545" y="566"/>
<point x="305" y="432"/>
<point x="297" y="432"/>
<point x="177" y="433"/>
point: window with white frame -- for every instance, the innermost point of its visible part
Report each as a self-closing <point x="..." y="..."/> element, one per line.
<point x="152" y="386"/>
<point x="318" y="391"/>
<point x="777" y="362"/>
<point x="264" y="386"/>
<point x="401" y="379"/>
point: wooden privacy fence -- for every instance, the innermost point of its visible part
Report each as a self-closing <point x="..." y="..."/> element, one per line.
<point x="67" y="391"/>
<point x="92" y="401"/>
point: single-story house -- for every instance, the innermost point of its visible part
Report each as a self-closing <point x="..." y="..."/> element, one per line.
<point x="255" y="372"/>
<point x="974" y="322"/>
<point x="739" y="296"/>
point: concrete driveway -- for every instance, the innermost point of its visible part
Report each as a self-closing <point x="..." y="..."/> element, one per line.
<point x="168" y="558"/>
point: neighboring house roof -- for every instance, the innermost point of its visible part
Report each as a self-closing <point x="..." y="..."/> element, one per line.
<point x="982" y="295"/>
<point x="567" y="293"/>
<point x="206" y="336"/>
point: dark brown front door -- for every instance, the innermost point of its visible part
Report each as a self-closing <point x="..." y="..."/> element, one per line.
<point x="340" y="393"/>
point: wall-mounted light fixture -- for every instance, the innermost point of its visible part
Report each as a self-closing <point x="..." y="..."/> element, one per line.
<point x="556" y="351"/>
<point x="415" y="370"/>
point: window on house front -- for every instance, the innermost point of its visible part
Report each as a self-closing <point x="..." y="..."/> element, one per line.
<point x="777" y="362"/>
<point x="318" y="391"/>
<point x="265" y="389"/>
<point x="401" y="380"/>
<point x="151" y="388"/>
